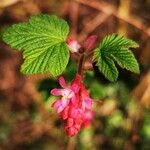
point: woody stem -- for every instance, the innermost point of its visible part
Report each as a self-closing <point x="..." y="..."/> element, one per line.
<point x="81" y="63"/>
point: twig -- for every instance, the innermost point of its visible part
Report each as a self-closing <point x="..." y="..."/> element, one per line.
<point x="71" y="144"/>
<point x="99" y="19"/>
<point x="81" y="63"/>
<point x="142" y="91"/>
<point x="111" y="10"/>
<point x="73" y="13"/>
<point x="6" y="3"/>
<point x="123" y="10"/>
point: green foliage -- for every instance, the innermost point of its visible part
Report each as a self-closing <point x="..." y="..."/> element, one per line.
<point x="4" y="130"/>
<point x="70" y="71"/>
<point x="115" y="48"/>
<point x="96" y="89"/>
<point x="145" y="132"/>
<point x="115" y="119"/>
<point x="42" y="41"/>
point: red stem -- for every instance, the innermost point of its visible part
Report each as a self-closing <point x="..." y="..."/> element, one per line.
<point x="81" y="63"/>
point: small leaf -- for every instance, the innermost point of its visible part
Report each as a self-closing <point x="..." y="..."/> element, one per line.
<point x="115" y="48"/>
<point x="42" y="41"/>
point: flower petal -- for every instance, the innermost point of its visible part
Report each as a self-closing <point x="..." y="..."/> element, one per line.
<point x="88" y="116"/>
<point x="71" y="131"/>
<point x="65" y="102"/>
<point x="75" y="88"/>
<point x="60" y="109"/>
<point x="58" y="105"/>
<point x="74" y="100"/>
<point x="73" y="112"/>
<point x="64" y="113"/>
<point x="62" y="82"/>
<point x="87" y="103"/>
<point x="70" y="122"/>
<point x="73" y="45"/>
<point x="76" y="83"/>
<point x="56" y="92"/>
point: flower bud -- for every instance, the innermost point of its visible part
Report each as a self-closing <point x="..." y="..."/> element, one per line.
<point x="73" y="45"/>
<point x="90" y="42"/>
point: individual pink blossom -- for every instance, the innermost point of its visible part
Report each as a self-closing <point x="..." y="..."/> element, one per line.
<point x="67" y="94"/>
<point x="73" y="45"/>
<point x="74" y="105"/>
<point x="86" y="105"/>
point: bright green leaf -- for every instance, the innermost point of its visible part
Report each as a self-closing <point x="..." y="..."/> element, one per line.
<point x="42" y="41"/>
<point x="126" y="59"/>
<point x="115" y="48"/>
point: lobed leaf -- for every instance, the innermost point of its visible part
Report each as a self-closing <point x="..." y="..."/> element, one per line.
<point x="115" y="48"/>
<point x="42" y="41"/>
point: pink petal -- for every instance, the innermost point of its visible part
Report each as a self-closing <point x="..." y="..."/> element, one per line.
<point x="60" y="109"/>
<point x="90" y="42"/>
<point x="73" y="112"/>
<point x="64" y="102"/>
<point x="59" y="105"/>
<point x="88" y="116"/>
<point x="74" y="100"/>
<point x="77" y="126"/>
<point x="75" y="87"/>
<point x="73" y="45"/>
<point x="70" y="122"/>
<point x="62" y="82"/>
<point x="56" y="104"/>
<point x="71" y="131"/>
<point x="78" y="122"/>
<point x="87" y="103"/>
<point x="64" y="113"/>
<point x="76" y="83"/>
<point x="76" y="113"/>
<point x="56" y="92"/>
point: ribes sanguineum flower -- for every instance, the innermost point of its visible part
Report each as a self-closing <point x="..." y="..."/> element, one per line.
<point x="73" y="45"/>
<point x="74" y="105"/>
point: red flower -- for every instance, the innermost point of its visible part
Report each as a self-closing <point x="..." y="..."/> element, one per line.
<point x="74" y="106"/>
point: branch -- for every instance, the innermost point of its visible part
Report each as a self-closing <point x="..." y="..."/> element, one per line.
<point x="111" y="10"/>
<point x="99" y="19"/>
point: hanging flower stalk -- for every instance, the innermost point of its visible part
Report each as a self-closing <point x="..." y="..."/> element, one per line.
<point x="74" y="106"/>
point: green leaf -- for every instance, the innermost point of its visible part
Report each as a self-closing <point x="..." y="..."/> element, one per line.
<point x="115" y="48"/>
<point x="42" y="41"/>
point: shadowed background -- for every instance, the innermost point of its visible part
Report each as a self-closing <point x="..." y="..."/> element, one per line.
<point x="122" y="109"/>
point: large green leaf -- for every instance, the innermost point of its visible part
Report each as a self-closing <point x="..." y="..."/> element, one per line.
<point x="115" y="48"/>
<point x="42" y="41"/>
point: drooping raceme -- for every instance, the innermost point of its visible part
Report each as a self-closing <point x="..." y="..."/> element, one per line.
<point x="74" y="105"/>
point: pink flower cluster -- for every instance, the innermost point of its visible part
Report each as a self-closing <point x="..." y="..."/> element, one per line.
<point x="74" y="106"/>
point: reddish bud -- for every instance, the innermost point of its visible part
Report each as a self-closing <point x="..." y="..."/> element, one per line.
<point x="90" y="42"/>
